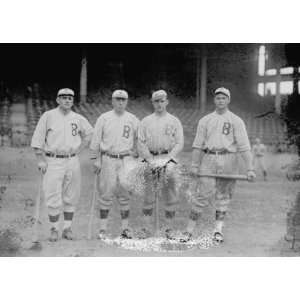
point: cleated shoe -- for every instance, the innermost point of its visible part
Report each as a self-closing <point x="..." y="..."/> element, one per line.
<point x="126" y="234"/>
<point x="218" y="237"/>
<point x="102" y="235"/>
<point x="68" y="234"/>
<point x="53" y="235"/>
<point x="144" y="234"/>
<point x="186" y="237"/>
<point x="169" y="233"/>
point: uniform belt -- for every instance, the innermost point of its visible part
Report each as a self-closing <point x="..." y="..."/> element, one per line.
<point x="159" y="152"/>
<point x="49" y="154"/>
<point x="118" y="156"/>
<point x="207" y="151"/>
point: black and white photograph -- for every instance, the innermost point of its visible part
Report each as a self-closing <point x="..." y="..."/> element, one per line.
<point x="149" y="149"/>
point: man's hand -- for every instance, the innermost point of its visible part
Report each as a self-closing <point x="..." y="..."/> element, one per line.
<point x="42" y="166"/>
<point x="133" y="153"/>
<point x="251" y="175"/>
<point x="159" y="162"/>
<point x="97" y="166"/>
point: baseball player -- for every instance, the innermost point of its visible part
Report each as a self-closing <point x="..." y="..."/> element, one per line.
<point x="59" y="137"/>
<point x="114" y="147"/>
<point x="160" y="139"/>
<point x="258" y="151"/>
<point x="220" y="135"/>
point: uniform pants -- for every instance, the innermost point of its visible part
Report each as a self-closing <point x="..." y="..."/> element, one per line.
<point x="113" y="183"/>
<point x="61" y="184"/>
<point x="217" y="192"/>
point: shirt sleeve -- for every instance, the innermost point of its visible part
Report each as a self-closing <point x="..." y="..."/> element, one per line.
<point x="40" y="133"/>
<point x="179" y="140"/>
<point x="200" y="135"/>
<point x="241" y="137"/>
<point x="97" y="135"/>
<point x="85" y="127"/>
<point x="141" y="142"/>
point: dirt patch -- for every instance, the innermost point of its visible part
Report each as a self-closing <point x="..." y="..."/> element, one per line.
<point x="255" y="225"/>
<point x="10" y="242"/>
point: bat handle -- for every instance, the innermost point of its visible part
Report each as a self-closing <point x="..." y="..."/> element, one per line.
<point x="90" y="225"/>
<point x="37" y="209"/>
<point x="156" y="195"/>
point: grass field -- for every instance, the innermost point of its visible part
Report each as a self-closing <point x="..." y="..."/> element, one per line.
<point x="255" y="225"/>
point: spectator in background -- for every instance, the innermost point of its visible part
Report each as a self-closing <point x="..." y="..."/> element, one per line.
<point x="259" y="151"/>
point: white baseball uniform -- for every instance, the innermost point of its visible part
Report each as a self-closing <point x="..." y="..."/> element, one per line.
<point x="61" y="135"/>
<point x="221" y="136"/>
<point x="115" y="135"/>
<point x="259" y="156"/>
<point x="161" y="136"/>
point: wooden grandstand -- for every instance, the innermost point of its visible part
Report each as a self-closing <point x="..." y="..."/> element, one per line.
<point x="270" y="128"/>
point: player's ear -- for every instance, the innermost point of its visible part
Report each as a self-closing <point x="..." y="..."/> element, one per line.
<point x="167" y="102"/>
<point x="57" y="100"/>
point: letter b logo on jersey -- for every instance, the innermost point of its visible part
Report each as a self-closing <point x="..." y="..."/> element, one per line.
<point x="74" y="129"/>
<point x="226" y="128"/>
<point x="126" y="131"/>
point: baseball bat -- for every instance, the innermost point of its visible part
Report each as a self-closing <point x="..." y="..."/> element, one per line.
<point x="91" y="218"/>
<point x="223" y="176"/>
<point x="37" y="211"/>
<point x="156" y="213"/>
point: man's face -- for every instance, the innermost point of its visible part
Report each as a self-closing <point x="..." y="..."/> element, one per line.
<point x="221" y="101"/>
<point x="160" y="105"/>
<point x="119" y="104"/>
<point x="65" y="101"/>
<point x="257" y="141"/>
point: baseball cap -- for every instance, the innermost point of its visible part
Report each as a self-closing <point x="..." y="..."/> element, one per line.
<point x="223" y="91"/>
<point x="159" y="95"/>
<point x="65" y="92"/>
<point x="120" y="94"/>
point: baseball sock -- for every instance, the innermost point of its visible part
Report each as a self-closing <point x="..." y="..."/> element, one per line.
<point x="68" y="217"/>
<point x="147" y="215"/>
<point x="169" y="218"/>
<point x="125" y="219"/>
<point x="194" y="216"/>
<point x="103" y="218"/>
<point x="54" y="221"/>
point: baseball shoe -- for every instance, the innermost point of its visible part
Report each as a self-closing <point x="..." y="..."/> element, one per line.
<point x="67" y="234"/>
<point x="144" y="234"/>
<point x="218" y="237"/>
<point x="53" y="235"/>
<point x="126" y="234"/>
<point x="169" y="233"/>
<point x="102" y="235"/>
<point x="186" y="237"/>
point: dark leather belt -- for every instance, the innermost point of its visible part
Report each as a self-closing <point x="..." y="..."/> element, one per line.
<point x="118" y="156"/>
<point x="221" y="152"/>
<point x="49" y="154"/>
<point x="159" y="153"/>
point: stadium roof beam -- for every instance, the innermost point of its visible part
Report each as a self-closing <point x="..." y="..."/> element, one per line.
<point x="201" y="77"/>
<point x="83" y="77"/>
<point x="277" y="96"/>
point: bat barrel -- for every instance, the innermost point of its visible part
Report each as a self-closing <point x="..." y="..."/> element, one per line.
<point x="224" y="176"/>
